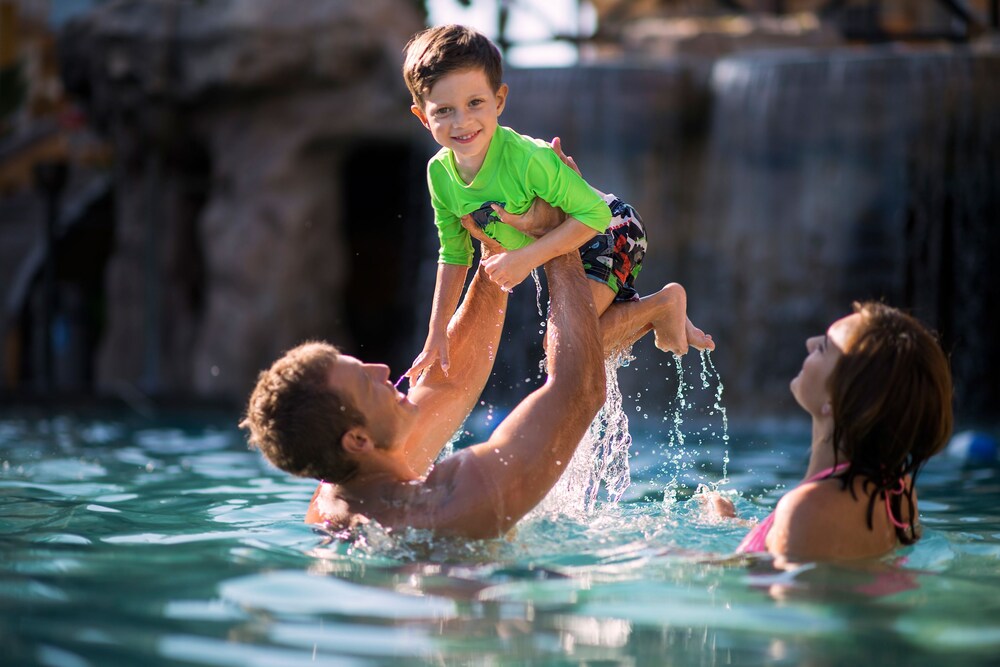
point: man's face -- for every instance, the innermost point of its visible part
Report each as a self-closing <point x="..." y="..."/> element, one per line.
<point x="387" y="411"/>
<point x="461" y="111"/>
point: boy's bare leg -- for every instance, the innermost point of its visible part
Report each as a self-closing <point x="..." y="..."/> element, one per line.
<point x="622" y="322"/>
<point x="604" y="296"/>
<point x="625" y="322"/>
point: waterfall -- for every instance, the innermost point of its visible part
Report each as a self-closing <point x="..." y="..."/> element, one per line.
<point x="779" y="187"/>
<point x="850" y="175"/>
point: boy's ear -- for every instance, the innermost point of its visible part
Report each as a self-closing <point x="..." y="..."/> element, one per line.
<point x="356" y="440"/>
<point x="502" y="97"/>
<point x="419" y="113"/>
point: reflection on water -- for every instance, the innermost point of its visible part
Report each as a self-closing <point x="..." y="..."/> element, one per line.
<point x="130" y="542"/>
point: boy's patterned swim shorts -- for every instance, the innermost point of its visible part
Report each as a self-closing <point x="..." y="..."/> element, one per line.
<point x="615" y="257"/>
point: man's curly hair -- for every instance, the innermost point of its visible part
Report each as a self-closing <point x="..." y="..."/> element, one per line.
<point x="295" y="418"/>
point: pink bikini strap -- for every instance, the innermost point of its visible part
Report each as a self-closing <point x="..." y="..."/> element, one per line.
<point x="823" y="474"/>
<point x="888" y="507"/>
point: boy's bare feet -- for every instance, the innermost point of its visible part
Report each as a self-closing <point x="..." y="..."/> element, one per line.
<point x="673" y="331"/>
<point x="670" y="330"/>
<point x="697" y="338"/>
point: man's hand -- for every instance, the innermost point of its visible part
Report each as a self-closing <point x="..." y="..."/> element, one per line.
<point x="714" y="504"/>
<point x="567" y="159"/>
<point x="536" y="221"/>
<point x="508" y="269"/>
<point x="435" y="350"/>
<point x="489" y="246"/>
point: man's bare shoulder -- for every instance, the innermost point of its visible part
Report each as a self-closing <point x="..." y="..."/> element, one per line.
<point x="447" y="501"/>
<point x="458" y="494"/>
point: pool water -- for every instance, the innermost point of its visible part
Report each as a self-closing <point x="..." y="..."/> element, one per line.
<point x="165" y="541"/>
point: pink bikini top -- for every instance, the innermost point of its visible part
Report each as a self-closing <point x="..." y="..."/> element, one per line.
<point x="756" y="540"/>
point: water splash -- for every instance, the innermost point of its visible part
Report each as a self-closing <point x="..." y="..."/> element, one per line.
<point x="708" y="369"/>
<point x="704" y="397"/>
<point x="678" y="455"/>
<point x="610" y="431"/>
<point x="600" y="469"/>
<point x="602" y="458"/>
<point x="538" y="292"/>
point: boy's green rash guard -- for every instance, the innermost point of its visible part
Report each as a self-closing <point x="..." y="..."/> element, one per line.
<point x="516" y="170"/>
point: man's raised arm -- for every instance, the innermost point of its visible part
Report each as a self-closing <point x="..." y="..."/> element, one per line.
<point x="446" y="400"/>
<point x="493" y="484"/>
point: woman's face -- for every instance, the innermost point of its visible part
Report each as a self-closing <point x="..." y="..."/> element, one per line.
<point x="810" y="386"/>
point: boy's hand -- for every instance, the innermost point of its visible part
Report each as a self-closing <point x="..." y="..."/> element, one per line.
<point x="435" y="350"/>
<point x="508" y="269"/>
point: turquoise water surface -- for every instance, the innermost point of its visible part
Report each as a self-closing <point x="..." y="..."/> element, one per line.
<point x="164" y="541"/>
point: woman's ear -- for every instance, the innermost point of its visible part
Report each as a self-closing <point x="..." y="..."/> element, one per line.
<point x="356" y="440"/>
<point x="827" y="409"/>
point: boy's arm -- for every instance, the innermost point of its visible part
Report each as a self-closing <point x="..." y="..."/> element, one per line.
<point x="510" y="268"/>
<point x="447" y="292"/>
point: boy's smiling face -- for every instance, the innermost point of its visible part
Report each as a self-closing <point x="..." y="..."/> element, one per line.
<point x="461" y="111"/>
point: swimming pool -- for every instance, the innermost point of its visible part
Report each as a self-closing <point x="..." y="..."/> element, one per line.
<point x="130" y="541"/>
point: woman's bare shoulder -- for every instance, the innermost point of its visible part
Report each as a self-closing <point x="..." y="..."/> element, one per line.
<point x="823" y="520"/>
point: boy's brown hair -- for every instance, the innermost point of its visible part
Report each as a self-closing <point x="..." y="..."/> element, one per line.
<point x="435" y="52"/>
<point x="296" y="419"/>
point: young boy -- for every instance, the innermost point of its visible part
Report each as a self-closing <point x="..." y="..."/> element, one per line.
<point x="486" y="171"/>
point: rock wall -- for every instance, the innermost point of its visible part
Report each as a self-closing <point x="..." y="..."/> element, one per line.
<point x="270" y="188"/>
<point x="232" y="122"/>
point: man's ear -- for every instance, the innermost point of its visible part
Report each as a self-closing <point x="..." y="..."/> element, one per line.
<point x="419" y="113"/>
<point x="356" y="440"/>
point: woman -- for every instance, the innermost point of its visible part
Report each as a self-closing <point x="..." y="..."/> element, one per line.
<point x="879" y="392"/>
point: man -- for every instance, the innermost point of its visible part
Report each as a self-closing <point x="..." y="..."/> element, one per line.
<point x="323" y="414"/>
<point x="317" y="413"/>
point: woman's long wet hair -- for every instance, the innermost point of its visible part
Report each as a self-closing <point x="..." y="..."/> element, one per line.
<point x="891" y="395"/>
